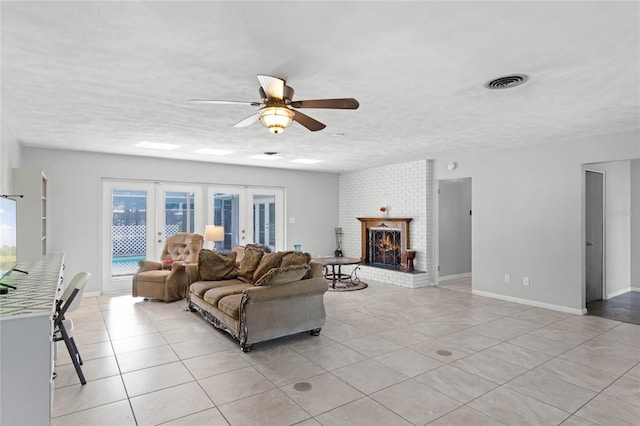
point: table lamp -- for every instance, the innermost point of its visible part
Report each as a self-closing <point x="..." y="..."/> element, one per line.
<point x="214" y="233"/>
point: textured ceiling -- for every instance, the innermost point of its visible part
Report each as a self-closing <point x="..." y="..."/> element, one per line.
<point x="103" y="76"/>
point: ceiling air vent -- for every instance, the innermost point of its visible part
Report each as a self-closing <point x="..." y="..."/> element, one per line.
<point x="507" y="82"/>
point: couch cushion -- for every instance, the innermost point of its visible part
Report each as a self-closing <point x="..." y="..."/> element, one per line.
<point x="249" y="263"/>
<point x="283" y="275"/>
<point x="267" y="263"/>
<point x="295" y="258"/>
<point x="214" y="295"/>
<point x="199" y="288"/>
<point x="156" y="276"/>
<point x="213" y="266"/>
<point x="230" y="305"/>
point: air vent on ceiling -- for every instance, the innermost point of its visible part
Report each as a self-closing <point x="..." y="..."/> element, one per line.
<point x="507" y="82"/>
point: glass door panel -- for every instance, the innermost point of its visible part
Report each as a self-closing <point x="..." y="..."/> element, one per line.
<point x="178" y="212"/>
<point x="226" y="213"/>
<point x="264" y="220"/>
<point x="128" y="231"/>
<point x="179" y="209"/>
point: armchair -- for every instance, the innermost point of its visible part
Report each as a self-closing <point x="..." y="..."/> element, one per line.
<point x="167" y="280"/>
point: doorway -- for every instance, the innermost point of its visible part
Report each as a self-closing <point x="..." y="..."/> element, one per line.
<point x="611" y="212"/>
<point x="248" y="215"/>
<point x="594" y="236"/>
<point x="454" y="233"/>
<point x="138" y="217"/>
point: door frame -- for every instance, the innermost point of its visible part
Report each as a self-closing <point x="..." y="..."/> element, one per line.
<point x="155" y="205"/>
<point x="280" y="223"/>
<point x="161" y="188"/>
<point x="246" y="194"/>
<point x="436" y="227"/>
<point x="584" y="236"/>
<point x="109" y="285"/>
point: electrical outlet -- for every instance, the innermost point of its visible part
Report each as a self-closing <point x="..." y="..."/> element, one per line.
<point x="525" y="281"/>
<point x="507" y="278"/>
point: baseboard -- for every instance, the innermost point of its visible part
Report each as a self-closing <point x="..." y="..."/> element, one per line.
<point x="618" y="293"/>
<point x="454" y="277"/>
<point x="635" y="288"/>
<point x="550" y="306"/>
<point x="92" y="294"/>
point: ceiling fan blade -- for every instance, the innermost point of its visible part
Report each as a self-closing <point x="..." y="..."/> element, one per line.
<point x="247" y="121"/>
<point x="213" y="101"/>
<point x="342" y="103"/>
<point x="308" y="122"/>
<point x="273" y="86"/>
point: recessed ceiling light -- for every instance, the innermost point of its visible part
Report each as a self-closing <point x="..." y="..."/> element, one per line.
<point x="211" y="151"/>
<point x="157" y="145"/>
<point x="306" y="161"/>
<point x="266" y="157"/>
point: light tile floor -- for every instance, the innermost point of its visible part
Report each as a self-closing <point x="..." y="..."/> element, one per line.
<point x="387" y="355"/>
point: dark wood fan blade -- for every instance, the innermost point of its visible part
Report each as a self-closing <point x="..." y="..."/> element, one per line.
<point x="273" y="86"/>
<point x="247" y="121"/>
<point x="342" y="103"/>
<point x="214" y="101"/>
<point x="308" y="122"/>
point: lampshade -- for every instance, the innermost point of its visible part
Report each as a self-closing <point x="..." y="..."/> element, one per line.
<point x="214" y="233"/>
<point x="276" y="118"/>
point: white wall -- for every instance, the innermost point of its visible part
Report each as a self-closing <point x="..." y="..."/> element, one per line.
<point x="635" y="224"/>
<point x="454" y="227"/>
<point x="75" y="193"/>
<point x="617" y="224"/>
<point x="10" y="157"/>
<point x="405" y="189"/>
<point x="528" y="216"/>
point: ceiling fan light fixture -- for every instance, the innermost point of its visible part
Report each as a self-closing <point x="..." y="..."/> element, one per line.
<point x="276" y="118"/>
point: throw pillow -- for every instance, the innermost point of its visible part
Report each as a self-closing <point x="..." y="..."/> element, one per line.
<point x="214" y="266"/>
<point x="249" y="263"/>
<point x="295" y="258"/>
<point x="286" y="275"/>
<point x="268" y="262"/>
<point x="262" y="247"/>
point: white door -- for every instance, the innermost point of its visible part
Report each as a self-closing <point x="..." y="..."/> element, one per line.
<point x="594" y="236"/>
<point x="179" y="209"/>
<point x="138" y="216"/>
<point x="248" y="215"/>
<point x="454" y="228"/>
<point x="267" y="216"/>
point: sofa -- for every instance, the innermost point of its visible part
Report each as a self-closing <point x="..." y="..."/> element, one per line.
<point x="255" y="295"/>
<point x="167" y="280"/>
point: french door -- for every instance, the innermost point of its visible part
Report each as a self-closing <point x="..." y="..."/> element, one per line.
<point x="138" y="217"/>
<point x="248" y="215"/>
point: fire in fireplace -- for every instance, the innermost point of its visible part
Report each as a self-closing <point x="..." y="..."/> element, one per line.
<point x="385" y="241"/>
<point x="384" y="246"/>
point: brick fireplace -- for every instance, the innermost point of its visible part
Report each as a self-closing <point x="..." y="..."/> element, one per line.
<point x="384" y="242"/>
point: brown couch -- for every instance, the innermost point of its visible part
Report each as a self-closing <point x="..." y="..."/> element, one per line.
<point x="261" y="297"/>
<point x="167" y="280"/>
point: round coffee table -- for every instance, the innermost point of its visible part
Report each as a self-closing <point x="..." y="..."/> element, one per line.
<point x="337" y="261"/>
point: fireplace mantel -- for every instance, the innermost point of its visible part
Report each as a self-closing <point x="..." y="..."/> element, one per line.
<point x="400" y="223"/>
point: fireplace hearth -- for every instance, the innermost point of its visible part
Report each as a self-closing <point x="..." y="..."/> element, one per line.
<point x="385" y="242"/>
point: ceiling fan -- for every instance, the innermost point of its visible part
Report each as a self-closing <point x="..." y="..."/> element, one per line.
<point x="277" y="102"/>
